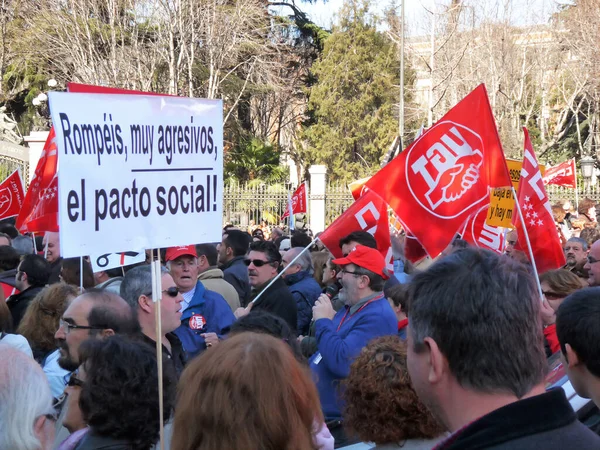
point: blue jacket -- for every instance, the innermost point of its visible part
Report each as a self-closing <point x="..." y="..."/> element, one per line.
<point x="337" y="349"/>
<point x="305" y="290"/>
<point x="235" y="273"/>
<point x="208" y="312"/>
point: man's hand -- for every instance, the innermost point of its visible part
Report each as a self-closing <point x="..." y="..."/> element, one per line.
<point x="241" y="312"/>
<point x="211" y="339"/>
<point x="300" y="338"/>
<point x="323" y="308"/>
<point x="547" y="313"/>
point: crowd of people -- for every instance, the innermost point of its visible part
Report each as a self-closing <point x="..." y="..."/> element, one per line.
<point x="270" y="342"/>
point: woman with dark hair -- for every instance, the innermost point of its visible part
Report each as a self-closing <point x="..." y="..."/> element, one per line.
<point x="119" y="394"/>
<point x="556" y="285"/>
<point x="41" y="319"/>
<point x="381" y="404"/>
<point x="247" y="393"/>
<point x="319" y="260"/>
<point x="70" y="273"/>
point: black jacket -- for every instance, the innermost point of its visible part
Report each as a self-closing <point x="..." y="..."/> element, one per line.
<point x="277" y="300"/>
<point x="93" y="441"/>
<point x="18" y="303"/>
<point x="235" y="273"/>
<point x="55" y="269"/>
<point x="543" y="422"/>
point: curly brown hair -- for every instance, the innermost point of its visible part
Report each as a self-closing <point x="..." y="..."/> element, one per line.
<point x="562" y="281"/>
<point x="41" y="318"/>
<point x="381" y="404"/>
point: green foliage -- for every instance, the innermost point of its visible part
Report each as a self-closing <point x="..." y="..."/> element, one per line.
<point x="254" y="161"/>
<point x="352" y="104"/>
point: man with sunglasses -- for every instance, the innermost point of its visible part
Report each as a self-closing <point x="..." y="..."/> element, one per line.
<point x="592" y="266"/>
<point x="206" y="316"/>
<point x="341" y="336"/>
<point x="263" y="262"/>
<point x="136" y="290"/>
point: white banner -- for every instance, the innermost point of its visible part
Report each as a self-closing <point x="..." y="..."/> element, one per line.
<point x="111" y="260"/>
<point x="137" y="171"/>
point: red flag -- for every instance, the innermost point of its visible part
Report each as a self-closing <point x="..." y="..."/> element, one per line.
<point x="444" y="176"/>
<point x="413" y="250"/>
<point x="40" y="207"/>
<point x="358" y="188"/>
<point x="298" y="201"/>
<point x="537" y="215"/>
<point x="368" y="213"/>
<point x="478" y="233"/>
<point x="563" y="174"/>
<point x="12" y="195"/>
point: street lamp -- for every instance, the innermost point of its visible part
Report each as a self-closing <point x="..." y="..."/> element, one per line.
<point x="587" y="170"/>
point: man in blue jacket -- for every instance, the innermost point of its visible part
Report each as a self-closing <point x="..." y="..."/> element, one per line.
<point x="206" y="315"/>
<point x="341" y="336"/>
<point x="302" y="285"/>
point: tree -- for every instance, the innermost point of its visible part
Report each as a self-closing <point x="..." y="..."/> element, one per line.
<point x="352" y="119"/>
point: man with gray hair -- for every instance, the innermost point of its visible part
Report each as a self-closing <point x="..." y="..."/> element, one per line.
<point x="576" y="252"/>
<point x="23" y="245"/>
<point x="301" y="283"/>
<point x="26" y="413"/>
<point x="136" y="289"/>
<point x="485" y="385"/>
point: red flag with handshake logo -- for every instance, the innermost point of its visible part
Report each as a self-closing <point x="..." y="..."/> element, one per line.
<point x="40" y="207"/>
<point x="444" y="176"/>
<point x="563" y="174"/>
<point x="12" y="195"/>
<point x="298" y="202"/>
<point x="537" y="215"/>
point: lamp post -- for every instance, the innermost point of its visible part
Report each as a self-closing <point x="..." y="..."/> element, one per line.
<point x="587" y="170"/>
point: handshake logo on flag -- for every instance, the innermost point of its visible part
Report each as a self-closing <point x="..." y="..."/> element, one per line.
<point x="448" y="169"/>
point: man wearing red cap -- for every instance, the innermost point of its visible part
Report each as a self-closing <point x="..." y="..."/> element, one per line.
<point x="206" y="315"/>
<point x="341" y="336"/>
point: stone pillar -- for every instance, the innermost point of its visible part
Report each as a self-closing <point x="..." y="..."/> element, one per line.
<point x="318" y="186"/>
<point x="35" y="142"/>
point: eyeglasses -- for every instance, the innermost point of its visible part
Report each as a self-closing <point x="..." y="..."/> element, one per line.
<point x="351" y="273"/>
<point x="592" y="260"/>
<point x="53" y="416"/>
<point x="256" y="262"/>
<point x="71" y="326"/>
<point x="552" y="295"/>
<point x="173" y="291"/>
<point x="75" y="382"/>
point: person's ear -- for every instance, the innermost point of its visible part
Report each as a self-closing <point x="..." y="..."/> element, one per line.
<point x="571" y="357"/>
<point x="145" y="303"/>
<point x="438" y="365"/>
<point x="107" y="332"/>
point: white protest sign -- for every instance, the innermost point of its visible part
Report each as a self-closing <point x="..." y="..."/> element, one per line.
<point x="137" y="171"/>
<point x="111" y="260"/>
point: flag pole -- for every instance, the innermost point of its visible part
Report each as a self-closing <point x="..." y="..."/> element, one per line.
<point x="524" y="226"/>
<point x="156" y="298"/>
<point x="284" y="269"/>
<point x="576" y="194"/>
<point x="81" y="274"/>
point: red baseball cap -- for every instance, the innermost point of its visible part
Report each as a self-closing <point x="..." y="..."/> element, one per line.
<point x="176" y="252"/>
<point x="367" y="258"/>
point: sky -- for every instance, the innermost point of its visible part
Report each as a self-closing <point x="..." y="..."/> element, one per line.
<point x="522" y="12"/>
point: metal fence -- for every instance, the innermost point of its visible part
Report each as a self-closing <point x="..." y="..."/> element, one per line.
<point x="245" y="205"/>
<point x="337" y="200"/>
<point x="13" y="157"/>
<point x="556" y="193"/>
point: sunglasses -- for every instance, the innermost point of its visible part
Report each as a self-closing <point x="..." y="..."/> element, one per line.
<point x="173" y="291"/>
<point x="256" y="262"/>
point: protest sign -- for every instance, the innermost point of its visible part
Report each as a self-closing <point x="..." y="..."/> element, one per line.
<point x="502" y="203"/>
<point x="137" y="171"/>
<point x="109" y="261"/>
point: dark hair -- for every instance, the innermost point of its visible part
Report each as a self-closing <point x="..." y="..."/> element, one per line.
<point x="376" y="281"/>
<point x="267" y="323"/>
<point x="577" y="322"/>
<point x="361" y="237"/>
<point x="465" y="303"/>
<point x="41" y="319"/>
<point x="459" y="243"/>
<point x="208" y="250"/>
<point x="589" y="235"/>
<point x="249" y="393"/>
<point x="585" y="205"/>
<point x="300" y="239"/>
<point x="37" y="269"/>
<point x="238" y="241"/>
<point x="9" y="230"/>
<point x="9" y="258"/>
<point x="119" y="397"/>
<point x="399" y="296"/>
<point x="258" y="233"/>
<point x="71" y="272"/>
<point x="268" y="248"/>
<point x="110" y="311"/>
<point x="381" y="404"/>
<point x="4" y="235"/>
